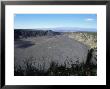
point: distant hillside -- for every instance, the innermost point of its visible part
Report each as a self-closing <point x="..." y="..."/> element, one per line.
<point x="24" y="33"/>
<point x="73" y="29"/>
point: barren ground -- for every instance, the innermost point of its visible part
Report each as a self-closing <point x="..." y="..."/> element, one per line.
<point x="45" y="49"/>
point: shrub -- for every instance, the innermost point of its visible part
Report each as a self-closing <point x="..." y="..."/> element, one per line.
<point x="55" y="69"/>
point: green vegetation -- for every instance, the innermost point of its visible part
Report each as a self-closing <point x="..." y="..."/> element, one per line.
<point x="56" y="70"/>
<point x="92" y="33"/>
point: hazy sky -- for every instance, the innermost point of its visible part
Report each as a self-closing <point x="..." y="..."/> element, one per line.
<point x="33" y="21"/>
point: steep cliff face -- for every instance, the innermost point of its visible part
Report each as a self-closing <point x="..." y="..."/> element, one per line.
<point x="21" y="33"/>
<point x="87" y="38"/>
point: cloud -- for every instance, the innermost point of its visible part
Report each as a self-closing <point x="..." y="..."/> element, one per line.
<point x="89" y="19"/>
